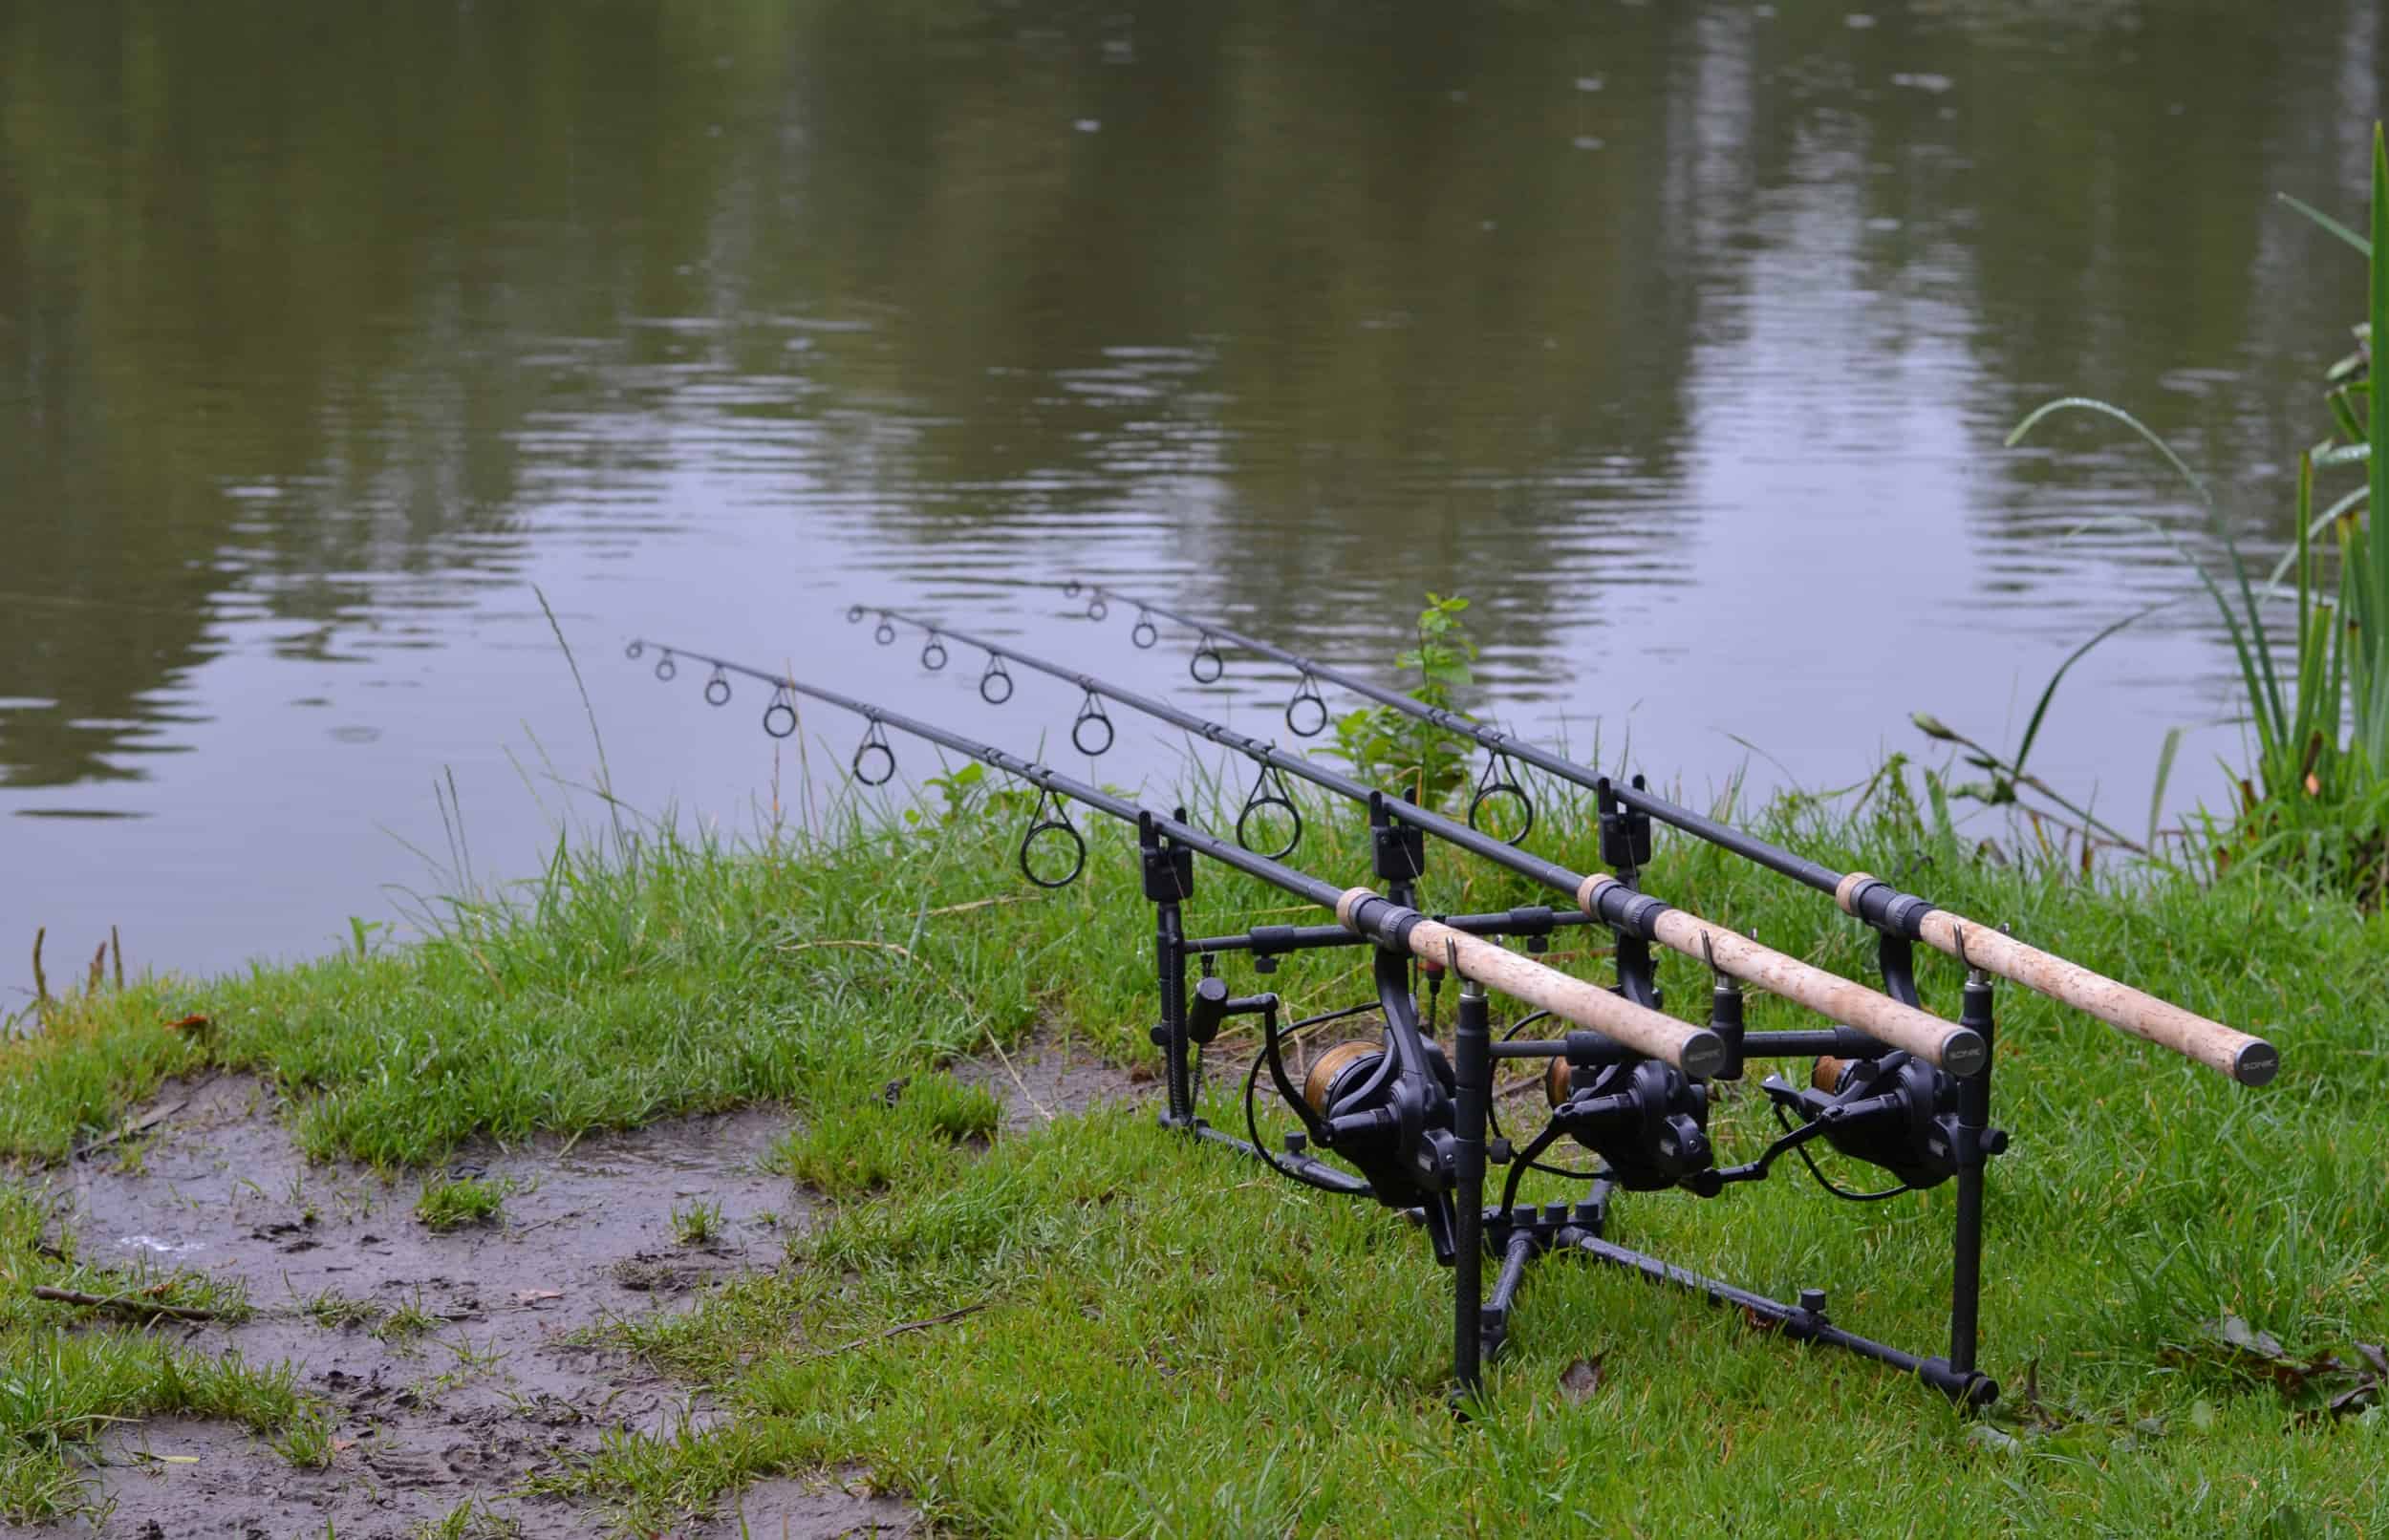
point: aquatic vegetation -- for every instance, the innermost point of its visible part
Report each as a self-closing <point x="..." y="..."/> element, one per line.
<point x="2315" y="798"/>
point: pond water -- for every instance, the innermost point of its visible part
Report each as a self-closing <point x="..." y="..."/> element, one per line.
<point x="1682" y="339"/>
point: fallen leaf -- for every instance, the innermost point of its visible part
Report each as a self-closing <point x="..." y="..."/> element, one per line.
<point x="1580" y="1380"/>
<point x="2238" y="1334"/>
<point x="1983" y="1436"/>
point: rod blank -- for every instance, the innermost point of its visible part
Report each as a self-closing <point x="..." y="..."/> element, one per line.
<point x="1956" y="1049"/>
<point x="1696" y="1051"/>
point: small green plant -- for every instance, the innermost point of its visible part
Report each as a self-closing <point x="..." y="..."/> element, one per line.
<point x="333" y="1311"/>
<point x="408" y="1321"/>
<point x="452" y="1203"/>
<point x="306" y="1442"/>
<point x="697" y="1223"/>
<point x="1400" y="751"/>
<point x="472" y="1519"/>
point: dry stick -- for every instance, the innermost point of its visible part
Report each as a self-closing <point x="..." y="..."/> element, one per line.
<point x="896" y="1330"/>
<point x="1026" y="1094"/>
<point x="147" y="1121"/>
<point x="986" y="903"/>
<point x="144" y="1307"/>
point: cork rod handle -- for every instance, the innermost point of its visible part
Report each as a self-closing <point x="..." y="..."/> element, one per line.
<point x="1959" y="1050"/>
<point x="1696" y="1051"/>
<point x="2245" y="1057"/>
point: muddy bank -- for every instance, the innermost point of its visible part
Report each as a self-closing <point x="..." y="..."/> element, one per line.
<point x="451" y="1360"/>
<point x="1050" y="1076"/>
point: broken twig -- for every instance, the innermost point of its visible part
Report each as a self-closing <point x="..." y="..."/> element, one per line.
<point x="897" y="1331"/>
<point x="139" y="1307"/>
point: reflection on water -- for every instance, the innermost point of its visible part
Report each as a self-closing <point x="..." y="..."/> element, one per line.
<point x="1682" y="337"/>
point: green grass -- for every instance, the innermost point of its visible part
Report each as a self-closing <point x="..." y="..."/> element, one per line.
<point x="914" y="1131"/>
<point x="697" y="1222"/>
<point x="1167" y="1340"/>
<point x="452" y="1203"/>
<point x="67" y="1372"/>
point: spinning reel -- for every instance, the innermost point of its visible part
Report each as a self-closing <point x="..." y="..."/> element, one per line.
<point x="1643" y="1119"/>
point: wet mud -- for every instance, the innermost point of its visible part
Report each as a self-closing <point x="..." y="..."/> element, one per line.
<point x="456" y="1363"/>
<point x="1050" y="1076"/>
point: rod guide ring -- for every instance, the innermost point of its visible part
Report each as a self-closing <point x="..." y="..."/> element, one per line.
<point x="1205" y="649"/>
<point x="1049" y="819"/>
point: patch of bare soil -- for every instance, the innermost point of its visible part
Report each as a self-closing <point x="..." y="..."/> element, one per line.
<point x="801" y="1510"/>
<point x="447" y="1359"/>
<point x="1047" y="1077"/>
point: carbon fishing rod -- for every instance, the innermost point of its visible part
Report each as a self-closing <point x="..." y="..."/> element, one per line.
<point x="1634" y="914"/>
<point x="1696" y="1051"/>
<point x="2242" y="1056"/>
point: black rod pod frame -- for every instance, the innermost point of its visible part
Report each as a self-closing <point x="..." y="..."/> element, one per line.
<point x="1644" y="1119"/>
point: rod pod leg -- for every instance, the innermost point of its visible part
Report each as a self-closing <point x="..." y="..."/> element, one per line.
<point x="1170" y="969"/>
<point x="1957" y="1375"/>
<point x="1472" y="1075"/>
<point x="1169" y="882"/>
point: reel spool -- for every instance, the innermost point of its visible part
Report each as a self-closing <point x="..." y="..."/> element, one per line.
<point x="1355" y="1099"/>
<point x="1643" y="1119"/>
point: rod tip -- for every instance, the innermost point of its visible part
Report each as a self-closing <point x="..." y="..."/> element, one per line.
<point x="2256" y="1062"/>
<point x="1704" y="1054"/>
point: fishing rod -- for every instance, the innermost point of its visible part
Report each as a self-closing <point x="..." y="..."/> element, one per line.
<point x="1899" y="918"/>
<point x="1694" y="1050"/>
<point x="1637" y="917"/>
<point x="1418" y="1123"/>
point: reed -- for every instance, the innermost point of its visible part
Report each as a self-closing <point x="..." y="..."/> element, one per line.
<point x="2313" y="799"/>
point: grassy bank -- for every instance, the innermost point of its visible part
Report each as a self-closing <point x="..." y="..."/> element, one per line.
<point x="1160" y="1340"/>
